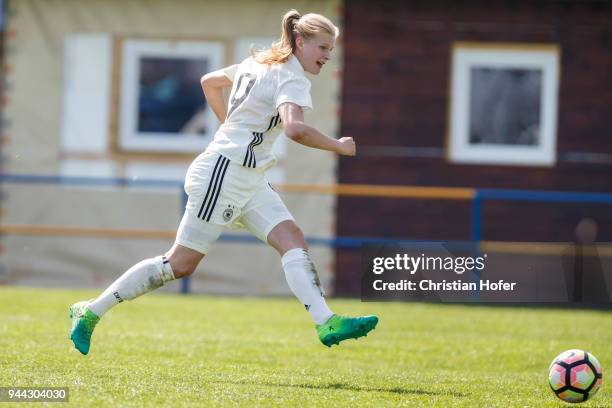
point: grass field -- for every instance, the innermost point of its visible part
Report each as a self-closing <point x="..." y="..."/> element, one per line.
<point x="173" y="350"/>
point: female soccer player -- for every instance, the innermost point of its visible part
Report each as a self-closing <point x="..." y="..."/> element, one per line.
<point x="227" y="186"/>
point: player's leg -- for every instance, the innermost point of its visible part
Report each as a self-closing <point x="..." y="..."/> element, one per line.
<point x="302" y="277"/>
<point x="267" y="217"/>
<point x="288" y="240"/>
<point x="194" y="238"/>
<point x="145" y="276"/>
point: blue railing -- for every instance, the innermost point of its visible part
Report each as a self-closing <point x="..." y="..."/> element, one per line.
<point x="478" y="196"/>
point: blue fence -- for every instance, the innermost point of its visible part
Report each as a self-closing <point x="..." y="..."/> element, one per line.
<point x="479" y="196"/>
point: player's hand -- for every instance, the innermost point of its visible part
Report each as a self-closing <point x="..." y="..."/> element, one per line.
<point x="346" y="146"/>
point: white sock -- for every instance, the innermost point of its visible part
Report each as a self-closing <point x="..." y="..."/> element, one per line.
<point x="141" y="278"/>
<point x="303" y="280"/>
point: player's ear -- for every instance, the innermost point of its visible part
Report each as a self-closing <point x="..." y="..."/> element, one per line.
<point x="299" y="42"/>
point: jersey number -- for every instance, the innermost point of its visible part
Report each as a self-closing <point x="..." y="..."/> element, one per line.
<point x="243" y="87"/>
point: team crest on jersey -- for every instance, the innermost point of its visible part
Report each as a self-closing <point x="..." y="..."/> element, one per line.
<point x="228" y="213"/>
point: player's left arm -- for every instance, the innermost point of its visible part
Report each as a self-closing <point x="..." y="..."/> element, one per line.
<point x="213" y="84"/>
<point x="292" y="117"/>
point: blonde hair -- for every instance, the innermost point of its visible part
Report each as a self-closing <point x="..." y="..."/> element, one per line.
<point x="292" y="26"/>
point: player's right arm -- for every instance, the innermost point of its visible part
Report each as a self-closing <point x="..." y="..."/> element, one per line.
<point x="213" y="84"/>
<point x="292" y="117"/>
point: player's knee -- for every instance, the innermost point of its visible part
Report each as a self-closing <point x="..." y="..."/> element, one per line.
<point x="183" y="261"/>
<point x="183" y="266"/>
<point x="291" y="231"/>
<point x="286" y="236"/>
<point x="181" y="272"/>
<point x="297" y="236"/>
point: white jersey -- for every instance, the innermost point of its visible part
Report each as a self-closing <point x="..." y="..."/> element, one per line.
<point x="253" y="122"/>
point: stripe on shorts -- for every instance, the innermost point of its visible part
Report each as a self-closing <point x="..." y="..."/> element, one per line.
<point x="214" y="202"/>
<point x="214" y="188"/>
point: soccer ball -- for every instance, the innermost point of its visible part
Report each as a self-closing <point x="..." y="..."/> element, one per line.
<point x="575" y="375"/>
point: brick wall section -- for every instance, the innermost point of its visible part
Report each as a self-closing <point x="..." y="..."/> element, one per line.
<point x="397" y="61"/>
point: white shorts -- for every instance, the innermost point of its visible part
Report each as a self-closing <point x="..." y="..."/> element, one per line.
<point x="223" y="194"/>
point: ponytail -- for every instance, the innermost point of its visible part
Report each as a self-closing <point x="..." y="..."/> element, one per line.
<point x="292" y="25"/>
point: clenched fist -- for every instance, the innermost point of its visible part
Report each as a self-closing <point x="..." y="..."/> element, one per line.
<point x="346" y="146"/>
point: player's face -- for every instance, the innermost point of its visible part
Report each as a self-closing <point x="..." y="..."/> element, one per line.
<point x="314" y="52"/>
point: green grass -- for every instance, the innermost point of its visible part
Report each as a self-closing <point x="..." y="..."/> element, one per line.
<point x="173" y="350"/>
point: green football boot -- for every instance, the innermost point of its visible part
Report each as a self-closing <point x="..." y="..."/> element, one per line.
<point x="83" y="323"/>
<point x="339" y="328"/>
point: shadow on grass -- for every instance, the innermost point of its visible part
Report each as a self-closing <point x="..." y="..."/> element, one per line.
<point x="349" y="387"/>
